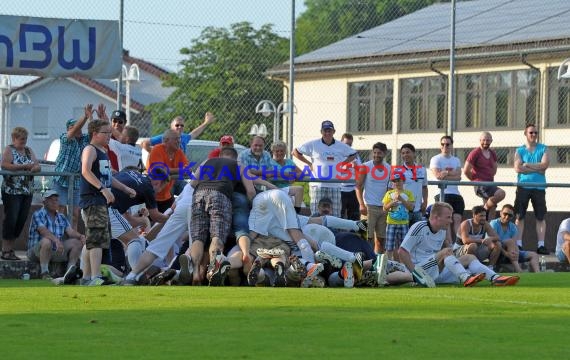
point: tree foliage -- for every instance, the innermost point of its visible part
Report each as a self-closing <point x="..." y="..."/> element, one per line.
<point x="327" y="21"/>
<point x="224" y="74"/>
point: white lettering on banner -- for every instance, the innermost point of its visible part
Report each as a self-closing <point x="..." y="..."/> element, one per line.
<point x="59" y="47"/>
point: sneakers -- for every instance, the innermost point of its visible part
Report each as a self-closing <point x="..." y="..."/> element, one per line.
<point x="96" y="282"/>
<point x="347" y="274"/>
<point x="327" y="259"/>
<point x="318" y="282"/>
<point x="296" y="271"/>
<point x="128" y="282"/>
<point x="46" y="276"/>
<point x="253" y="274"/>
<point x="542" y="251"/>
<point x="502" y="280"/>
<point x="279" y="275"/>
<point x="186" y="270"/>
<point x="368" y="279"/>
<point x="72" y="275"/>
<point x="380" y="267"/>
<point x="109" y="276"/>
<point x="422" y="278"/>
<point x="473" y="279"/>
<point x="358" y="265"/>
<point x="218" y="269"/>
<point x="363" y="229"/>
<point x="163" y="278"/>
<point x="270" y="253"/>
<point x="312" y="273"/>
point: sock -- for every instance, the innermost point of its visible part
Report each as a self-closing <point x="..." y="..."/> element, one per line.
<point x="44" y="268"/>
<point x="338" y="252"/>
<point x="453" y="265"/>
<point x="476" y="267"/>
<point x="135" y="248"/>
<point x="297" y="209"/>
<point x="306" y="251"/>
<point x="540" y="243"/>
<point x="335" y="280"/>
<point x="131" y="276"/>
<point x="519" y="243"/>
<point x="338" y="223"/>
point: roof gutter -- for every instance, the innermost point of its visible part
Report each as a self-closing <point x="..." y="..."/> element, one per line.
<point x="300" y="69"/>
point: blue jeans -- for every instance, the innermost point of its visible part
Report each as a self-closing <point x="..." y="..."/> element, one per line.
<point x="240" y="215"/>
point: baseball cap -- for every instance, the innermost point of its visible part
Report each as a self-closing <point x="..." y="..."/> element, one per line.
<point x="119" y="114"/>
<point x="70" y="122"/>
<point x="327" y="124"/>
<point x="397" y="176"/>
<point x="49" y="194"/>
<point x="227" y="139"/>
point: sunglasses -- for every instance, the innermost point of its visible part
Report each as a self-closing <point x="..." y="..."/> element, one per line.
<point x="446" y="144"/>
<point x="533" y="132"/>
<point x="179" y="125"/>
<point x="118" y="121"/>
<point x="508" y="214"/>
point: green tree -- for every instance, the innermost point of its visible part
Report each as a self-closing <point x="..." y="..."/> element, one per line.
<point x="224" y="74"/>
<point x="327" y="21"/>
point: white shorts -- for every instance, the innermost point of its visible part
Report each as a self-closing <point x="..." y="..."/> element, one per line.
<point x="175" y="226"/>
<point x="272" y="213"/>
<point x="119" y="225"/>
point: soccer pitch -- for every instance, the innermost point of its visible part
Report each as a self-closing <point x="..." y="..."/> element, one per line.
<point x="39" y="320"/>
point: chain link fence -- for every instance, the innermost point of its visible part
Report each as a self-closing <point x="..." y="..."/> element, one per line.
<point x="384" y="78"/>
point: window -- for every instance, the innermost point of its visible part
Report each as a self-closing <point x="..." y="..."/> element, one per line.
<point x="499" y="100"/>
<point x="562" y="154"/>
<point x="558" y="100"/>
<point x="370" y="106"/>
<point x="40" y="122"/>
<point x="424" y="104"/>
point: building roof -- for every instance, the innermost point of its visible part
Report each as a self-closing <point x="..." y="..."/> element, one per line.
<point x="480" y="24"/>
<point x="99" y="85"/>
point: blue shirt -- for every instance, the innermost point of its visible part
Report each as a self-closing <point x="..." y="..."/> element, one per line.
<point x="532" y="158"/>
<point x="184" y="140"/>
<point x="246" y="158"/>
<point x="56" y="226"/>
<point x="509" y="233"/>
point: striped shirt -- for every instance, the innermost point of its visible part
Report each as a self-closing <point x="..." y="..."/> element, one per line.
<point x="422" y="243"/>
<point x="56" y="226"/>
<point x="69" y="158"/>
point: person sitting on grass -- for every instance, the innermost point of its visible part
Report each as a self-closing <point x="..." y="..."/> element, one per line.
<point x="422" y="253"/>
<point x="47" y="240"/>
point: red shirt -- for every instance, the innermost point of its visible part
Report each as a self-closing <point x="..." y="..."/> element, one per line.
<point x="483" y="169"/>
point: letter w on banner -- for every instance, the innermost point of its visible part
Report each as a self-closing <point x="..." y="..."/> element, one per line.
<point x="59" y="47"/>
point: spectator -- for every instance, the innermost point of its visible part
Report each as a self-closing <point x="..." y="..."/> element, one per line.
<point x="96" y="195"/>
<point x="257" y="159"/>
<point x="47" y="241"/>
<point x="370" y="190"/>
<point x="531" y="162"/>
<point x="563" y="242"/>
<point x="507" y="232"/>
<point x="72" y="144"/>
<point x="170" y="155"/>
<point x="177" y="124"/>
<point x="397" y="202"/>
<point x="225" y="141"/>
<point x="481" y="165"/>
<point x="129" y="154"/>
<point x="17" y="191"/>
<point x="477" y="237"/>
<point x="325" y="154"/>
<point x="324" y="207"/>
<point x="287" y="168"/>
<point x="445" y="166"/>
<point x="415" y="180"/>
<point x="349" y="202"/>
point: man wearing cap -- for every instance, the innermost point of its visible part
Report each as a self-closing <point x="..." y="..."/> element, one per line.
<point x="46" y="237"/>
<point x="324" y="156"/>
<point x="177" y="124"/>
<point x="225" y="141"/>
<point x="72" y="143"/>
<point x="397" y="202"/>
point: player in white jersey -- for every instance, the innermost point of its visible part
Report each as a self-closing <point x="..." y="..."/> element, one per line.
<point x="422" y="254"/>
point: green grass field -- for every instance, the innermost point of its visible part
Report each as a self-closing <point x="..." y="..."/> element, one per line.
<point x="42" y="321"/>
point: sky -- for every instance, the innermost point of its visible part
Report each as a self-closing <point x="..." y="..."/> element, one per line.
<point x="156" y="30"/>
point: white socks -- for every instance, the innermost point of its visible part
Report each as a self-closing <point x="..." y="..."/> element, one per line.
<point x="337" y="252"/>
<point x="453" y="265"/>
<point x="306" y="252"/>
<point x="135" y="248"/>
<point x="476" y="268"/>
<point x="338" y="223"/>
